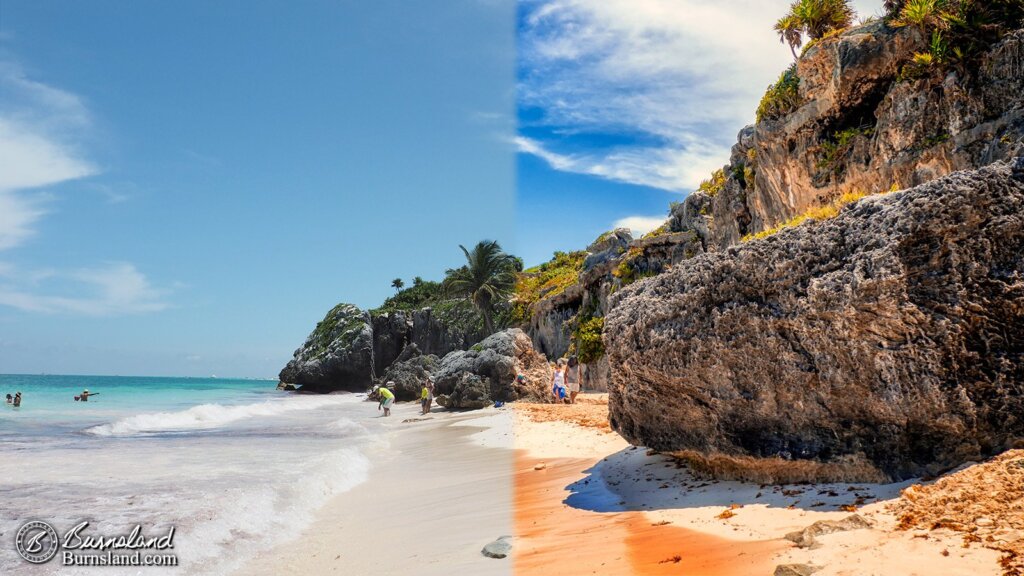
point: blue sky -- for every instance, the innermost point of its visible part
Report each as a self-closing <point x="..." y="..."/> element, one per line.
<point x="626" y="105"/>
<point x="188" y="186"/>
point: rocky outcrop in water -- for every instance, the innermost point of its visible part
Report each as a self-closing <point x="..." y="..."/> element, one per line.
<point x="487" y="372"/>
<point x="887" y="342"/>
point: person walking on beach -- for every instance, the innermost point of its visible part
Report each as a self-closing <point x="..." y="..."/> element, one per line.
<point x="558" y="381"/>
<point x="17" y="399"/>
<point x="387" y="397"/>
<point x="572" y="378"/>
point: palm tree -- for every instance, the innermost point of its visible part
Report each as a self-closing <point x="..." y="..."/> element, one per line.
<point x="815" y="18"/>
<point x="487" y="278"/>
<point x="397" y="284"/>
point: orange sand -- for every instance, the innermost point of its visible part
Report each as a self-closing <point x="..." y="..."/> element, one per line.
<point x="555" y="538"/>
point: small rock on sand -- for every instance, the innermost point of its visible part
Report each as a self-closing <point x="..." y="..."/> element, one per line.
<point x="806" y="538"/>
<point x="540" y="466"/>
<point x="500" y="548"/>
<point x="795" y="570"/>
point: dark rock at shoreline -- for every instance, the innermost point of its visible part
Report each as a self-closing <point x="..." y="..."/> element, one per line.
<point x="337" y="355"/>
<point x="888" y="341"/>
<point x="351" y="348"/>
<point x="409" y="371"/>
<point x="487" y="372"/>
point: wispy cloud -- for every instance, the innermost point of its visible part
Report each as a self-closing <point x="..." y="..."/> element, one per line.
<point x="639" y="225"/>
<point x="117" y="288"/>
<point x="39" y="125"/>
<point x="686" y="74"/>
<point x="41" y="130"/>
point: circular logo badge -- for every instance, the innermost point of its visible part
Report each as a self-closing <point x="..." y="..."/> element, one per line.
<point x="37" y="542"/>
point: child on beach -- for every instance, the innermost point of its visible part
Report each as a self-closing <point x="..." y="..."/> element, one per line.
<point x="558" y="381"/>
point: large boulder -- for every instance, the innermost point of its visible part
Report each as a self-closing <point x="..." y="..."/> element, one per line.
<point x="409" y="371"/>
<point x="884" y="343"/>
<point x="488" y="372"/>
<point x="337" y="355"/>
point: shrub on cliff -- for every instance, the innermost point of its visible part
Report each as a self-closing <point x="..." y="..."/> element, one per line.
<point x="782" y="97"/>
<point x="549" y="279"/>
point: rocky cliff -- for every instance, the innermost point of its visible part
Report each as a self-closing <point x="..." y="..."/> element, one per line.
<point x="350" y="348"/>
<point x="884" y="343"/>
<point x="861" y="124"/>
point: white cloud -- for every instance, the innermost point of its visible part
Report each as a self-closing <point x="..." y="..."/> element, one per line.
<point x="114" y="289"/>
<point x="640" y="225"/>
<point x="38" y="127"/>
<point x="684" y="74"/>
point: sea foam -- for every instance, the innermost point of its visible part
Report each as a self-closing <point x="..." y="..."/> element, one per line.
<point x="210" y="416"/>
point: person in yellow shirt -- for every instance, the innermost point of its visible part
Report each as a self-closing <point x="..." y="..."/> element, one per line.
<point x="387" y="398"/>
<point x="426" y="396"/>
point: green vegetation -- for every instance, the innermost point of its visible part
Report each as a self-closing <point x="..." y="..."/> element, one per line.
<point x="834" y="150"/>
<point x="344" y="321"/>
<point x="488" y="279"/>
<point x="957" y="29"/>
<point x="397" y="284"/>
<point x="627" y="271"/>
<point x="420" y="295"/>
<point x="781" y="98"/>
<point x="830" y="210"/>
<point x="549" y="279"/>
<point x="713" y="185"/>
<point x="814" y="18"/>
<point x="587" y="338"/>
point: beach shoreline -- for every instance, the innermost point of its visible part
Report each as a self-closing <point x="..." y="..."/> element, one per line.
<point x="579" y="500"/>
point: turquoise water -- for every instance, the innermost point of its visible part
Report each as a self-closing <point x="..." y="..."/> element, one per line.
<point x="48" y="404"/>
<point x="233" y="465"/>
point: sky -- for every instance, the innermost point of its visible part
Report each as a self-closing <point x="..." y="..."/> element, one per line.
<point x="624" y="106"/>
<point x="187" y="187"/>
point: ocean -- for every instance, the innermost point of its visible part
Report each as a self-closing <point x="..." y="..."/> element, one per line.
<point x="235" y="466"/>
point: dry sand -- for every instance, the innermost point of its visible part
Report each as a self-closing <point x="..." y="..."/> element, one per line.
<point x="598" y="503"/>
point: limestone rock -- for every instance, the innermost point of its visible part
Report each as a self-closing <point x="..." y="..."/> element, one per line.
<point x="806" y="538"/>
<point x="410" y="371"/>
<point x="500" y="548"/>
<point x="487" y="372"/>
<point x="795" y="570"/>
<point x="337" y="355"/>
<point x="888" y="340"/>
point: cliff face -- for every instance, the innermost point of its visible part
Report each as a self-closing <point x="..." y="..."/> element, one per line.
<point x="887" y="342"/>
<point x="863" y="128"/>
<point x="860" y="128"/>
<point x="350" y="348"/>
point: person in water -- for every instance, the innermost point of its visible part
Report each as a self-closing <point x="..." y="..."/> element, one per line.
<point x="387" y="398"/>
<point x="17" y="399"/>
<point x="85" y="395"/>
<point x="572" y="378"/>
<point x="10" y="399"/>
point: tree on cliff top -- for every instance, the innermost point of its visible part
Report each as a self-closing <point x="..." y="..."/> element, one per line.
<point x="487" y="279"/>
<point x="397" y="284"/>
<point x="815" y="18"/>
